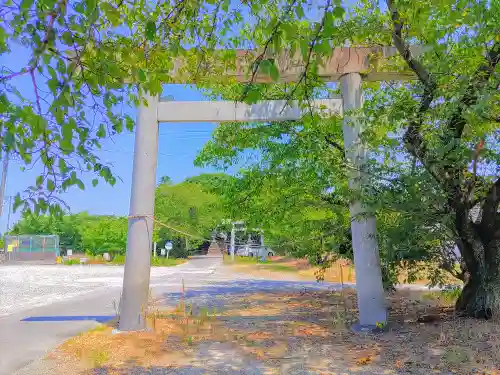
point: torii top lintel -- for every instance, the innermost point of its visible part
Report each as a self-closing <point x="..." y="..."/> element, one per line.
<point x="344" y="60"/>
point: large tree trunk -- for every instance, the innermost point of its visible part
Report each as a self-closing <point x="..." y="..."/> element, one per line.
<point x="480" y="297"/>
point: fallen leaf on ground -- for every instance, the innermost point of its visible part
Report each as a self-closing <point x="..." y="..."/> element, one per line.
<point x="363" y="361"/>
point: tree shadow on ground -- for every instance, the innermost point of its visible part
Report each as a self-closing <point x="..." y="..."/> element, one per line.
<point x="299" y="331"/>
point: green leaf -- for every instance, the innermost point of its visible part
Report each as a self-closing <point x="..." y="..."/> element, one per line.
<point x="299" y="11"/>
<point x="141" y="75"/>
<point x="9" y="139"/>
<point x="79" y="7"/>
<point x="129" y="123"/>
<point x="67" y="38"/>
<point x="274" y="72"/>
<point x="101" y="133"/>
<point x="150" y="30"/>
<point x="63" y="167"/>
<point x="338" y="12"/>
<point x="80" y="184"/>
<point x="42" y="205"/>
<point x="324" y="47"/>
<point x="51" y="186"/>
<point x="39" y="181"/>
<point x="329" y="23"/>
<point x="95" y="181"/>
<point x="269" y="68"/>
<point x="26" y="4"/>
<point x="112" y="14"/>
<point x="53" y="85"/>
<point x="90" y="6"/>
<point x="106" y="173"/>
<point x="18" y="202"/>
<point x="252" y="96"/>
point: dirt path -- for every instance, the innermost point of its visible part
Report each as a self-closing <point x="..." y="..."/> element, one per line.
<point x="278" y="327"/>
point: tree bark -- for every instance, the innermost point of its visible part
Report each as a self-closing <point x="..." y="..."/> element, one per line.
<point x="480" y="297"/>
<point x="479" y="243"/>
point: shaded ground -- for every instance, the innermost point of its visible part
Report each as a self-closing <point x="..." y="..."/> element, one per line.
<point x="262" y="330"/>
<point x="299" y="269"/>
<point x="339" y="271"/>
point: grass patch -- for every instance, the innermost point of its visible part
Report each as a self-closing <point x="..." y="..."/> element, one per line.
<point x="155" y="261"/>
<point x="274" y="266"/>
<point x="118" y="259"/>
<point x="445" y="297"/>
<point x="340" y="271"/>
<point x="71" y="262"/>
<point x="193" y="336"/>
<point x="267" y="264"/>
<point x="279" y="267"/>
<point x="164" y="262"/>
<point x="99" y="328"/>
<point x="244" y="260"/>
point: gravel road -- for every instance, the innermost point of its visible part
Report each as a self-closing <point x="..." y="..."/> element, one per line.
<point x="24" y="287"/>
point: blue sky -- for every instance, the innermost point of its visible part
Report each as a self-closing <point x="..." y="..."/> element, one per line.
<point x="179" y="144"/>
<point x="178" y="147"/>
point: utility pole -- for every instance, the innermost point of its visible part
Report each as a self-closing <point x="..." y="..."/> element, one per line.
<point x="369" y="286"/>
<point x="3" y="183"/>
<point x="233" y="232"/>
<point x="8" y="215"/>
<point x="135" y="292"/>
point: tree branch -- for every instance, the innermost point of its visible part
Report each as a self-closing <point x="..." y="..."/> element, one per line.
<point x="413" y="138"/>
<point x="480" y="78"/>
<point x="404" y="50"/>
<point x="335" y="144"/>
<point x="258" y="60"/>
<point x="37" y="95"/>
<point x="16" y="74"/>
<point x="490" y="207"/>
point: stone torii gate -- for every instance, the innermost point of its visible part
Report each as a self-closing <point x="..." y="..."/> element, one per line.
<point x="347" y="65"/>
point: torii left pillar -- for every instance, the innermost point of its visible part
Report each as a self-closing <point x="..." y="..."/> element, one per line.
<point x="135" y="294"/>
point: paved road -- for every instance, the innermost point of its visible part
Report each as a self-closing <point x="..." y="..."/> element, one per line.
<point x="77" y="290"/>
<point x="95" y="290"/>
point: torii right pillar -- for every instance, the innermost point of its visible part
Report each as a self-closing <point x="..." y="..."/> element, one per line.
<point x="369" y="287"/>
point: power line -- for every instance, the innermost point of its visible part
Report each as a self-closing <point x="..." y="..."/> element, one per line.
<point x="169" y="226"/>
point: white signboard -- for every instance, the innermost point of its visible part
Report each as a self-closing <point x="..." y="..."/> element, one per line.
<point x="168" y="245"/>
<point x="69" y="252"/>
<point x="163" y="252"/>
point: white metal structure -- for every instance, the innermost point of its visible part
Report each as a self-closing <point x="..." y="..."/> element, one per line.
<point x="140" y="229"/>
<point x="345" y="65"/>
<point x="272" y="110"/>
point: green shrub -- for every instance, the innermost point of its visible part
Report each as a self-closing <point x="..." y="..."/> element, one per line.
<point x="155" y="261"/>
<point x="70" y="262"/>
<point x="118" y="259"/>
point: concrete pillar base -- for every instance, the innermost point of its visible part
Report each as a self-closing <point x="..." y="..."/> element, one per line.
<point x="367" y="328"/>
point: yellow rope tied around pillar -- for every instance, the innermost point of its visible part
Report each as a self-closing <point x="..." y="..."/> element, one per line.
<point x="139" y="216"/>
